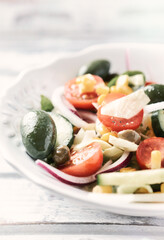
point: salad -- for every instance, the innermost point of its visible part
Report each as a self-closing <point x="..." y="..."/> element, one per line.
<point x="102" y="131"/>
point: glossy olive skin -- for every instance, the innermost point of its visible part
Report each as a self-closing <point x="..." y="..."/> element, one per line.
<point x="61" y="155"/>
<point x="155" y="92"/>
<point x="38" y="132"/>
<point x="99" y="67"/>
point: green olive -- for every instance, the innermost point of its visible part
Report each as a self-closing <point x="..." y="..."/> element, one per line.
<point x="99" y="67"/>
<point x="61" y="155"/>
<point x="38" y="132"/>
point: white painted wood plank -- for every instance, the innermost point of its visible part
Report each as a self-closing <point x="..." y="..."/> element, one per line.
<point x="83" y="230"/>
<point x="79" y="237"/>
<point x="22" y="202"/>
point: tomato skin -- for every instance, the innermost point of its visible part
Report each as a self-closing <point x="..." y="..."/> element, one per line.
<point x="85" y="162"/>
<point x="78" y="100"/>
<point x="115" y="123"/>
<point x="149" y="83"/>
<point x="145" y="148"/>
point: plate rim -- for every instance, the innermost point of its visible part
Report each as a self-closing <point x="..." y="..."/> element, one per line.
<point x="119" y="210"/>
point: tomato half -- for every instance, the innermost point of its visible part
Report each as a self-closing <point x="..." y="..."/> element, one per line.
<point x="85" y="162"/>
<point x="115" y="123"/>
<point x="78" y="100"/>
<point x="145" y="148"/>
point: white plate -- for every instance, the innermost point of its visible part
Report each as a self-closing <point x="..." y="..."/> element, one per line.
<point x="25" y="95"/>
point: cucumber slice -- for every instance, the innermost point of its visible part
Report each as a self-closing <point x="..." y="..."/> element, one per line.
<point x="155" y="92"/>
<point x="133" y="178"/>
<point x="136" y="79"/>
<point x="157" y="118"/>
<point x="64" y="130"/>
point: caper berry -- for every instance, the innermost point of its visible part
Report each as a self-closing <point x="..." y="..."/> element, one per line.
<point x="61" y="155"/>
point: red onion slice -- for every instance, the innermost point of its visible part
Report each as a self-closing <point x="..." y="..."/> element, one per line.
<point x="65" y="178"/>
<point x="70" y="113"/>
<point x="154" y="107"/>
<point x="79" y="181"/>
<point x="120" y="163"/>
<point x="87" y="116"/>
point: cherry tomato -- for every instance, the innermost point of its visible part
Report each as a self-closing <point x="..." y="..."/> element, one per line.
<point x="149" y="83"/>
<point x="78" y="100"/>
<point x="145" y="148"/>
<point x="85" y="162"/>
<point x="115" y="123"/>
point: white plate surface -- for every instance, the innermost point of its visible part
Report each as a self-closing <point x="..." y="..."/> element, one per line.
<point x="25" y="95"/>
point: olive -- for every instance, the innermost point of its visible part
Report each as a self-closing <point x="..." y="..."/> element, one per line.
<point x="38" y="133"/>
<point x="99" y="67"/>
<point x="61" y="155"/>
<point x="110" y="76"/>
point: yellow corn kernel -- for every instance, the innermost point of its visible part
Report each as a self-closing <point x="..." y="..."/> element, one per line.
<point x="102" y="189"/>
<point x="101" y="129"/>
<point x="86" y="83"/>
<point x="101" y="99"/>
<point x="127" y="169"/>
<point x="101" y="89"/>
<point x="155" y="159"/>
<point x="123" y="80"/>
<point x="105" y="136"/>
<point x="162" y="188"/>
<point x="113" y="89"/>
<point x="141" y="190"/>
<point x="124" y="89"/>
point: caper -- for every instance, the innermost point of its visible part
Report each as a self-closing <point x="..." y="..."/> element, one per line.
<point x="61" y="155"/>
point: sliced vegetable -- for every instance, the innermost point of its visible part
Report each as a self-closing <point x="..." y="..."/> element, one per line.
<point x="38" y="133"/>
<point x="85" y="162"/>
<point x="136" y="178"/>
<point x="86" y="137"/>
<point x="65" y="178"/>
<point x="99" y="67"/>
<point x="136" y="79"/>
<point x="157" y="118"/>
<point x="123" y="144"/>
<point x="113" y="153"/>
<point x="154" y="107"/>
<point x="155" y="92"/>
<point x="88" y="116"/>
<point x="130" y="135"/>
<point x="64" y="130"/>
<point x="72" y="180"/>
<point x="126" y="107"/>
<point x="123" y="161"/>
<point x="127" y="189"/>
<point x="46" y="104"/>
<point x="115" y="123"/>
<point x="66" y="109"/>
<point x="84" y="100"/>
<point x="145" y="148"/>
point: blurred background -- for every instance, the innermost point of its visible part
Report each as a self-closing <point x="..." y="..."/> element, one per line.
<point x="49" y="27"/>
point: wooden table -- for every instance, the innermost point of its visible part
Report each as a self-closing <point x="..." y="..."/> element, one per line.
<point x="32" y="33"/>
